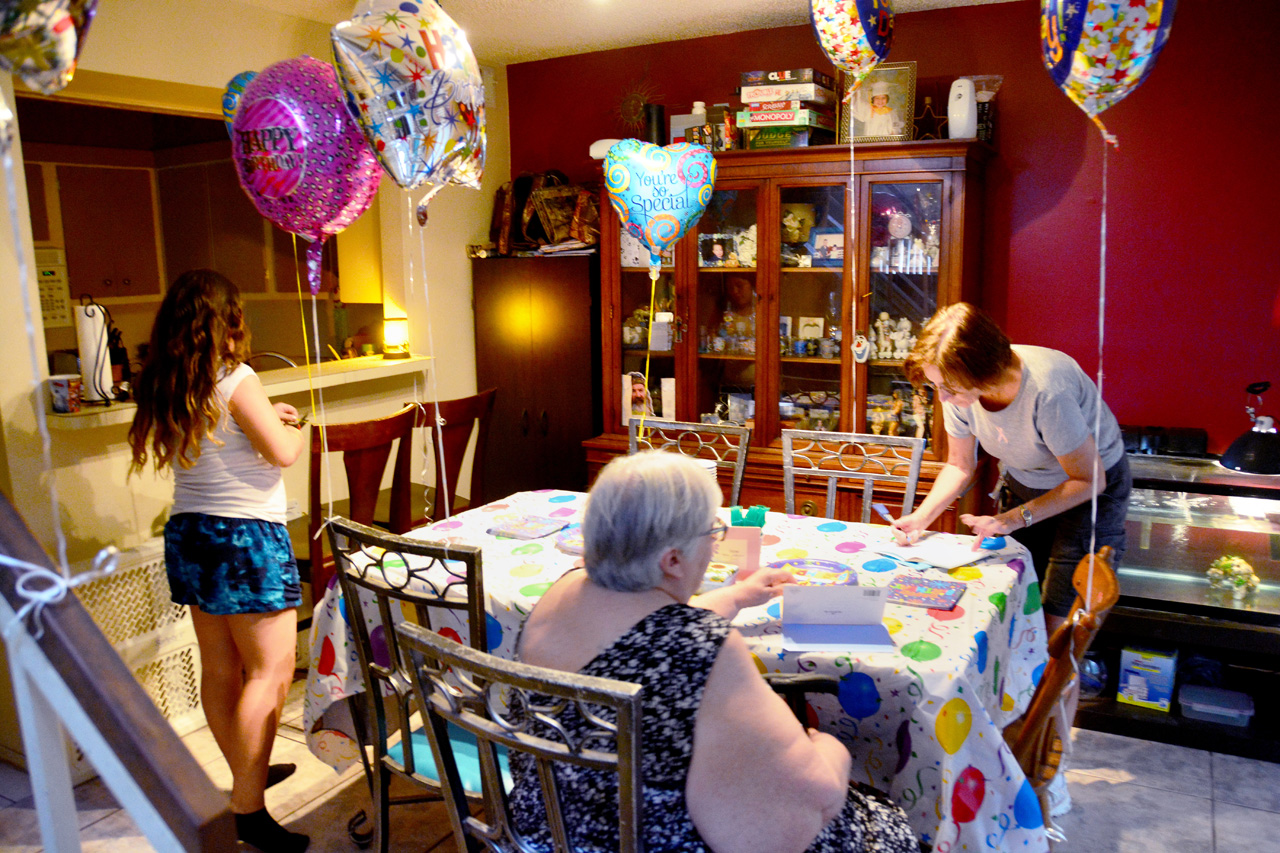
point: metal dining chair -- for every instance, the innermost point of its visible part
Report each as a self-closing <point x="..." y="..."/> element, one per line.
<point x="379" y="573"/>
<point x="874" y="460"/>
<point x="725" y="443"/>
<point x="555" y="718"/>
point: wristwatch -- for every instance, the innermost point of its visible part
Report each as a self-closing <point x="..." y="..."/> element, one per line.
<point x="1027" y="518"/>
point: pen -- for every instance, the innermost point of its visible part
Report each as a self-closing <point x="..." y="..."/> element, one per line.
<point x="883" y="512"/>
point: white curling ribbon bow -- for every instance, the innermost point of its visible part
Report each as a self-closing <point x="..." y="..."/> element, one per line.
<point x="42" y="586"/>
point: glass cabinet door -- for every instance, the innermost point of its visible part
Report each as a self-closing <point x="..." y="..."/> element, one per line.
<point x="642" y="356"/>
<point x="727" y="308"/>
<point x="811" y="305"/>
<point x="904" y="253"/>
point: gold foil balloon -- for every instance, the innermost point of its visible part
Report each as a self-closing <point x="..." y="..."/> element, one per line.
<point x="40" y="41"/>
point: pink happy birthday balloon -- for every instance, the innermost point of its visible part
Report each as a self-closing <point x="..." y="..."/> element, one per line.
<point x="300" y="156"/>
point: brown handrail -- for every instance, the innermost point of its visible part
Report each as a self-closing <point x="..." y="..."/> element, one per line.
<point x="198" y="814"/>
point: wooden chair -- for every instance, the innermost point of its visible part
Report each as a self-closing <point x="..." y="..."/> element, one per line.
<point x="1038" y="737"/>
<point x="460" y="687"/>
<point x="365" y="447"/>
<point x="380" y="572"/>
<point x="875" y="460"/>
<point x="725" y="443"/>
<point x="462" y="418"/>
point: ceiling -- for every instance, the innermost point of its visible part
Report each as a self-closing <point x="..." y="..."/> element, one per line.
<point x="503" y="32"/>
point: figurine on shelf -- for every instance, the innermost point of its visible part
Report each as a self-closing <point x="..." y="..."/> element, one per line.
<point x="893" y="421"/>
<point x="918" y="411"/>
<point x="877" y="421"/>
<point x="884" y="335"/>
<point x="903" y="340"/>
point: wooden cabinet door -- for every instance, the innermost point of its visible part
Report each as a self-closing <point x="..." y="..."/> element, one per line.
<point x="184" y="198"/>
<point x="503" y="355"/>
<point x="536" y="342"/>
<point x="563" y="373"/>
<point x="108" y="219"/>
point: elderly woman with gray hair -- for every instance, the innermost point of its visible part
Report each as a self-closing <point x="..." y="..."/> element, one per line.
<point x="727" y="767"/>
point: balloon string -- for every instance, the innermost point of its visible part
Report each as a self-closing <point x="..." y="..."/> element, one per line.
<point x="7" y="140"/>
<point x="1107" y="135"/>
<point x="311" y="390"/>
<point x="442" y="481"/>
<point x="654" y="270"/>
<point x="1097" y="413"/>
<point x="302" y="317"/>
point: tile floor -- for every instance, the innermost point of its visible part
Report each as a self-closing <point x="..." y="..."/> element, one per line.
<point x="1130" y="796"/>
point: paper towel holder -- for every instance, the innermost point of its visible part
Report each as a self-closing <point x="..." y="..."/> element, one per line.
<point x="89" y="305"/>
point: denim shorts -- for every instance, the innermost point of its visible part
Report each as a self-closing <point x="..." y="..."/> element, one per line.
<point x="227" y="566"/>
<point x="1059" y="542"/>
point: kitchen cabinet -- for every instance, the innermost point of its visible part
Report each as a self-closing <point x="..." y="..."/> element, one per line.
<point x="795" y="259"/>
<point x="537" y="339"/>
<point x="1185" y="513"/>
<point x="110" y="231"/>
<point x="210" y="223"/>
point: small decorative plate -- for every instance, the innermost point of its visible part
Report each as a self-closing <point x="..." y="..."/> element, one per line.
<point x="818" y="572"/>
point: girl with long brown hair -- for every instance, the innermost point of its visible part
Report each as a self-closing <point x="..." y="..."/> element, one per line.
<point x="203" y="413"/>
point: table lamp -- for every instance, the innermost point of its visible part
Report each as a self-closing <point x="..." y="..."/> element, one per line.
<point x="395" y="337"/>
<point x="1258" y="450"/>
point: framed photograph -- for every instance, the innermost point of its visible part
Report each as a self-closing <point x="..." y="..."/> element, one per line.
<point x="717" y="250"/>
<point x="826" y="246"/>
<point x="883" y="107"/>
<point x="784" y="327"/>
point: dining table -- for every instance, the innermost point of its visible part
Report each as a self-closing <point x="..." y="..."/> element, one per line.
<point x="923" y="721"/>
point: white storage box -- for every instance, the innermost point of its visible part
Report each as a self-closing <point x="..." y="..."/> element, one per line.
<point x="1215" y="705"/>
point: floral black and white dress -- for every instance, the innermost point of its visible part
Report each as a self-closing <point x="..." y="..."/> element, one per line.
<point x="670" y="652"/>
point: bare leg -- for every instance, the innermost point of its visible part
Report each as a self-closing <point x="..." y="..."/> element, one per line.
<point x="247" y="663"/>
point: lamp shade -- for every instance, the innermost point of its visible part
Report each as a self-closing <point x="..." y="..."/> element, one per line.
<point x="1255" y="452"/>
<point x="395" y="337"/>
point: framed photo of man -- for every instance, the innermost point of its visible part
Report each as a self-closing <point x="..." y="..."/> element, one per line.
<point x="882" y="108"/>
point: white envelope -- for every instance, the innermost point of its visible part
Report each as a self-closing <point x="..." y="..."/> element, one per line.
<point x="941" y="550"/>
<point x="834" y="618"/>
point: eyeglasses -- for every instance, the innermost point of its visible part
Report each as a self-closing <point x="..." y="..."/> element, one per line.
<point x="718" y="532"/>
<point x="947" y="389"/>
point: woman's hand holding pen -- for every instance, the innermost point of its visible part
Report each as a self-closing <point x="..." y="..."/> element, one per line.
<point x="907" y="530"/>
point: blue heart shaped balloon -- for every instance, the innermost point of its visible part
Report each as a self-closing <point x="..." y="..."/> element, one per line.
<point x="658" y="192"/>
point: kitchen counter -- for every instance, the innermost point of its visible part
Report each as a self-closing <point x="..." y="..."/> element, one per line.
<point x="286" y="380"/>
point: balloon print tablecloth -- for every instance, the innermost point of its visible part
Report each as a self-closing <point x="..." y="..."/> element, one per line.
<point x="923" y="722"/>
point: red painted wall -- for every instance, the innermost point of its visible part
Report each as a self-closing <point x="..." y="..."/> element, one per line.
<point x="1192" y="194"/>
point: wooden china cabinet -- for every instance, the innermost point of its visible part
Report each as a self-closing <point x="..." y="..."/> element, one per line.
<point x="795" y="298"/>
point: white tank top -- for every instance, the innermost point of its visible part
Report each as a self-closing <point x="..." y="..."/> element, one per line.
<point x="230" y="480"/>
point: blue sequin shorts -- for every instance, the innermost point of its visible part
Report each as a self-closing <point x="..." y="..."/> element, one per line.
<point x="226" y="566"/>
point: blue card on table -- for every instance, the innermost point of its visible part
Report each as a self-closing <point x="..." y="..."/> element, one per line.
<point x="920" y="591"/>
<point x="834" y="619"/>
<point x="527" y="527"/>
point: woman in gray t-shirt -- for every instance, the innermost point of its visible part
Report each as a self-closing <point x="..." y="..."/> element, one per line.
<point x="1035" y="410"/>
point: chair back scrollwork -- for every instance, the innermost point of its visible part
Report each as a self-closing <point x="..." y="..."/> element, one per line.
<point x="552" y="717"/>
<point x="875" y="460"/>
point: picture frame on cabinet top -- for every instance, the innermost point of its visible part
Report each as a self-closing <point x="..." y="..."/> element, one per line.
<point x="882" y="109"/>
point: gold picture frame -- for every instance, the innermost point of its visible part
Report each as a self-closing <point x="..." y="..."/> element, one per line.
<point x="893" y="119"/>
